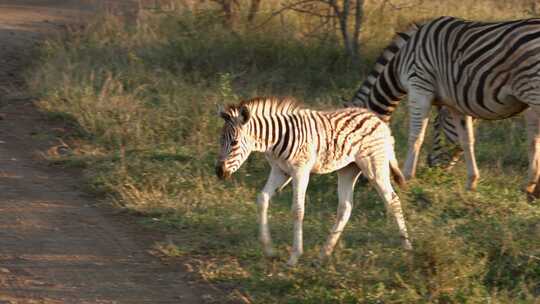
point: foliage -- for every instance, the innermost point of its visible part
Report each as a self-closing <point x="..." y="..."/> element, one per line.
<point x="142" y="100"/>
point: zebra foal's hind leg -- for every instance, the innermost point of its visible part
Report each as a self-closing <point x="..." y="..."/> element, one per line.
<point x="276" y="180"/>
<point x="346" y="179"/>
<point x="377" y="169"/>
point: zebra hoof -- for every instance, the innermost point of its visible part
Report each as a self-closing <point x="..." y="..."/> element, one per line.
<point x="533" y="196"/>
<point x="406" y="244"/>
<point x="324" y="256"/>
<point x="471" y="186"/>
<point x="319" y="263"/>
<point x="533" y="192"/>
<point x="472" y="183"/>
<point x="270" y="253"/>
<point x="293" y="261"/>
<point x="408" y="176"/>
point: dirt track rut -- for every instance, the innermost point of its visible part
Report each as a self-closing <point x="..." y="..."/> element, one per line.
<point x="57" y="246"/>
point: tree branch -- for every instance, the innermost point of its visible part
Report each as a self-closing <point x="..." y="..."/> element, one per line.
<point x="312" y="13"/>
<point x="284" y="8"/>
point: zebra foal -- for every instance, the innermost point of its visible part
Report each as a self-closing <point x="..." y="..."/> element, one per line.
<point x="299" y="141"/>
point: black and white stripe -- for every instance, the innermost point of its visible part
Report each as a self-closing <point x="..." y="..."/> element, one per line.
<point x="446" y="150"/>
<point x="475" y="69"/>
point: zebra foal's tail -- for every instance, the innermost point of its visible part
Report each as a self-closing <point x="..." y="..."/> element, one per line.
<point x="396" y="173"/>
<point x="394" y="165"/>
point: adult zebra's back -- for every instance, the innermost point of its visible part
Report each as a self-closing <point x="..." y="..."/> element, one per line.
<point x="481" y="70"/>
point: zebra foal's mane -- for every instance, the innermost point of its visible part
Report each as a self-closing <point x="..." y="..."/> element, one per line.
<point x="282" y="105"/>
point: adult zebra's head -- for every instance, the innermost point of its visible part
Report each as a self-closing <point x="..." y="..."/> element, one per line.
<point x="235" y="142"/>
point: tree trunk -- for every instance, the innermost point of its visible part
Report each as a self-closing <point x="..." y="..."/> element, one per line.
<point x="227" y="6"/>
<point x="350" y="40"/>
<point x="343" y="18"/>
<point x="253" y="10"/>
<point x="229" y="13"/>
<point x="358" y="19"/>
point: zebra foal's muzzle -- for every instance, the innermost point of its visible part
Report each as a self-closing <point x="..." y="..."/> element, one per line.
<point x="221" y="172"/>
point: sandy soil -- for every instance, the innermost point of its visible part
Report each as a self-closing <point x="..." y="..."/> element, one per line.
<point x="57" y="246"/>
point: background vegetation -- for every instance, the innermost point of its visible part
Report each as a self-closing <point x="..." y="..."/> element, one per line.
<point x="140" y="97"/>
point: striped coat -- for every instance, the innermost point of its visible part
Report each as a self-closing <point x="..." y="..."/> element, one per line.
<point x="298" y="142"/>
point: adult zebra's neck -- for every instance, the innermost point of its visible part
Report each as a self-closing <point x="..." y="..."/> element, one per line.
<point x="382" y="90"/>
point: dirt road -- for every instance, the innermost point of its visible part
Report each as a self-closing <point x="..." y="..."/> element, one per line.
<point x="57" y="246"/>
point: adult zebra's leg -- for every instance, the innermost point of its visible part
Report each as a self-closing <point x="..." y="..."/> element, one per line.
<point x="300" y="182"/>
<point x="435" y="154"/>
<point x="276" y="180"/>
<point x="419" y="106"/>
<point x="465" y="130"/>
<point x="346" y="180"/>
<point x="377" y="170"/>
<point x="446" y="150"/>
<point x="531" y="96"/>
<point x="532" y="118"/>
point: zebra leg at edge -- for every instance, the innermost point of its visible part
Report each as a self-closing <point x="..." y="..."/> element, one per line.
<point x="346" y="181"/>
<point x="300" y="182"/>
<point x="419" y="106"/>
<point x="532" y="118"/>
<point x="275" y="180"/>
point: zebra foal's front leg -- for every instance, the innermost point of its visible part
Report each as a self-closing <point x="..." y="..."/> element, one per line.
<point x="346" y="180"/>
<point x="276" y="180"/>
<point x="300" y="182"/>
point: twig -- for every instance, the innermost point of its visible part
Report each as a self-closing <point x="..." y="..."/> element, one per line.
<point x="304" y="11"/>
<point x="396" y="7"/>
<point x="284" y="8"/>
<point x="324" y="23"/>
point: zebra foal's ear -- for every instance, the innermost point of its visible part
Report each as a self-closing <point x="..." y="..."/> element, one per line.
<point x="221" y="112"/>
<point x="244" y="115"/>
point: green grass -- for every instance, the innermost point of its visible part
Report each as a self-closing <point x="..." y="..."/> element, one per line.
<point x="142" y="100"/>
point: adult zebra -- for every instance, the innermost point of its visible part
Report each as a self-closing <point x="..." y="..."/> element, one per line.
<point x="298" y="142"/>
<point x="474" y="69"/>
